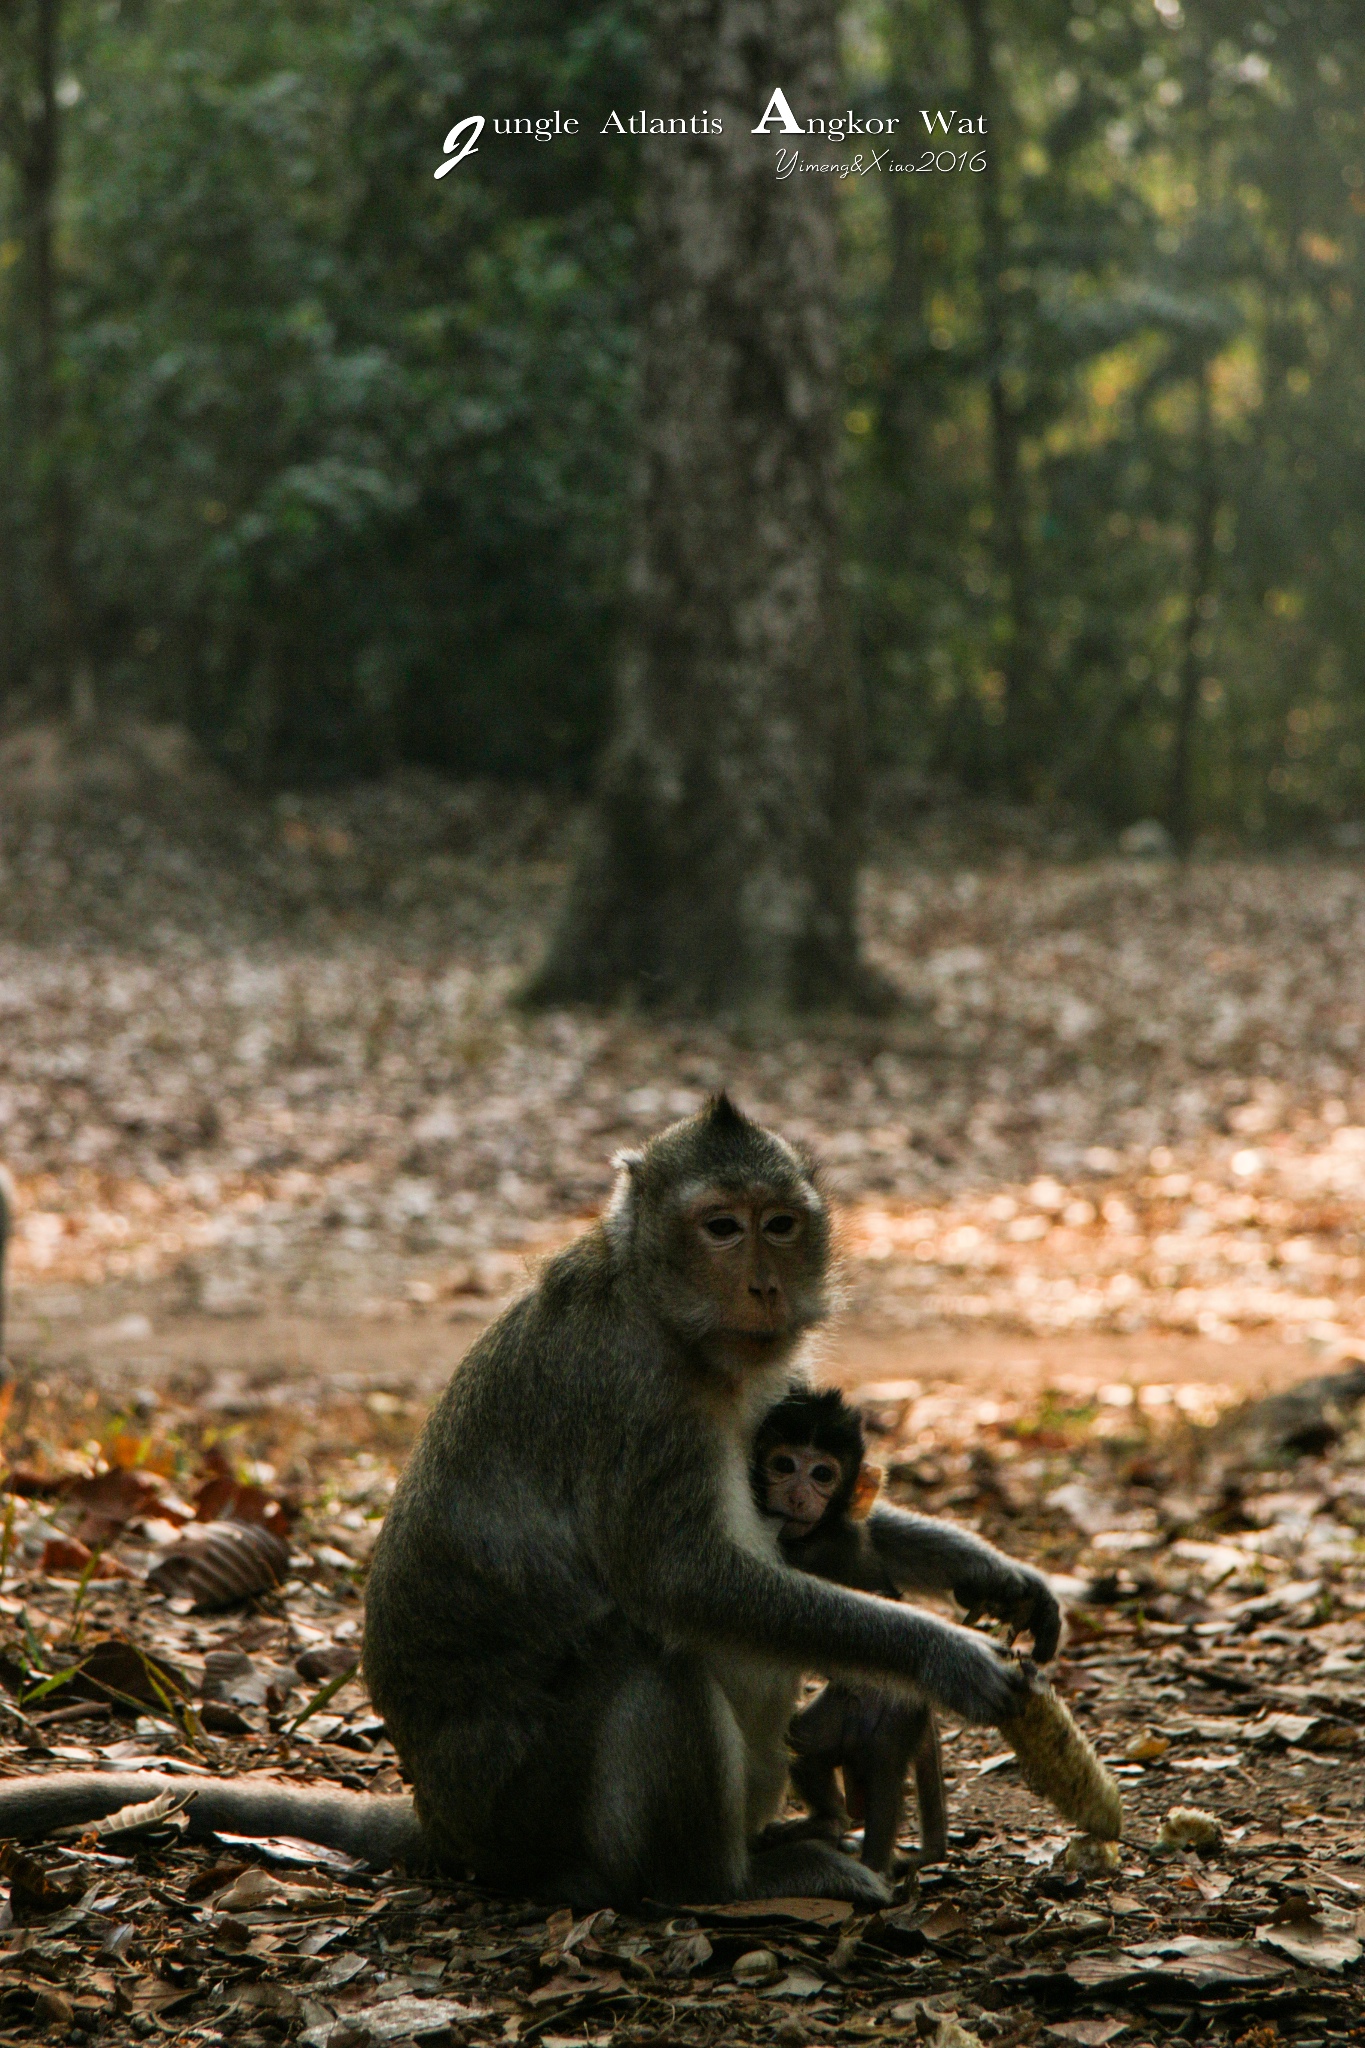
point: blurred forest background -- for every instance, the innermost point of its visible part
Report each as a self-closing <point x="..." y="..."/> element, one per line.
<point x="331" y="461"/>
<point x="320" y="478"/>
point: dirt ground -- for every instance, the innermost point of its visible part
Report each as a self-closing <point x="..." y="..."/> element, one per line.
<point x="284" y="1142"/>
<point x="126" y="1340"/>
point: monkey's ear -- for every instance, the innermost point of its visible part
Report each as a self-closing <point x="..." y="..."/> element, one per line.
<point x="810" y="1166"/>
<point x="619" y="1217"/>
<point x="866" y="1487"/>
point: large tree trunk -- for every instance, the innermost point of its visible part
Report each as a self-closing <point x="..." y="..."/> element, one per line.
<point x="1180" y="806"/>
<point x="41" y="170"/>
<point x="30" y="134"/>
<point x="1023" y="739"/>
<point x="722" y="865"/>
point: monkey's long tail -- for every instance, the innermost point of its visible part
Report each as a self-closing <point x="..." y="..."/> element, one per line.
<point x="381" y="1830"/>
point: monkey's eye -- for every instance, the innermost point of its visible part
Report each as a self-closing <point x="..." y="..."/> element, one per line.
<point x="782" y="1464"/>
<point x="824" y="1475"/>
<point x="782" y="1226"/>
<point x="723" y="1229"/>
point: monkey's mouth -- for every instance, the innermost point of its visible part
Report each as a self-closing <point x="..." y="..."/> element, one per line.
<point x="752" y="1346"/>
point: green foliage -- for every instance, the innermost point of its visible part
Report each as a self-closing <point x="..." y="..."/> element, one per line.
<point x="349" y="446"/>
<point x="1183" y="192"/>
<point x="348" y="438"/>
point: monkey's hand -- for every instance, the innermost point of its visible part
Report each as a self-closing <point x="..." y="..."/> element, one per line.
<point x="965" y="1674"/>
<point x="1015" y="1594"/>
<point x="928" y="1556"/>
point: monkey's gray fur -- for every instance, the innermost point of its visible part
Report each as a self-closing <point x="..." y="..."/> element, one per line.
<point x="580" y="1632"/>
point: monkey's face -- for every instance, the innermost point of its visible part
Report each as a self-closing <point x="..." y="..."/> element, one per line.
<point x="726" y="1232"/>
<point x="751" y="1258"/>
<point x="800" y="1483"/>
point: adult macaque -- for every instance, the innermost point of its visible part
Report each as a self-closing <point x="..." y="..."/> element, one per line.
<point x="581" y="1633"/>
<point x="809" y="1472"/>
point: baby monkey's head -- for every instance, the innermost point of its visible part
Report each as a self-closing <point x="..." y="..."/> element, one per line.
<point x="808" y="1464"/>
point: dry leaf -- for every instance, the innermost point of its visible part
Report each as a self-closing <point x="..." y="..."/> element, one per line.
<point x="686" y="1954"/>
<point x="53" y="2008"/>
<point x="1198" y="1965"/>
<point x="148" y="1816"/>
<point x="583" y="1983"/>
<point x="943" y="1923"/>
<point x="33" y="1893"/>
<point x="110" y="1500"/>
<point x="216" y="1564"/>
<point x="231" y="1677"/>
<point x="1307" y="1937"/>
<point x="801" y="1984"/>
<point x="251" y="1889"/>
<point x="1086" y="2033"/>
<point x="222" y="1497"/>
<point x="126" y="1675"/>
<point x="1146" y="1748"/>
<point x="66" y="1557"/>
<point x="755" y="1912"/>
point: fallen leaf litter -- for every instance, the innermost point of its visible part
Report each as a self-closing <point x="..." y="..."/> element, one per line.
<point x="1196" y="1165"/>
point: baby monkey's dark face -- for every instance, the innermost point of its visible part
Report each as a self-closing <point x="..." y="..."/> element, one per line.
<point x="807" y="1458"/>
<point x="800" y="1482"/>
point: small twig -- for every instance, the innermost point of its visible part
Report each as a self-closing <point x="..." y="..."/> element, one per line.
<point x="79" y="1710"/>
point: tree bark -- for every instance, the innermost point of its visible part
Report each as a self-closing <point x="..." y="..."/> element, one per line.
<point x="1009" y="512"/>
<point x="13" y="76"/>
<point x="1180" y="807"/>
<point x="41" y="172"/>
<point x="722" y="865"/>
<point x="904" y="408"/>
<point x="30" y="134"/>
<point x="1204" y="521"/>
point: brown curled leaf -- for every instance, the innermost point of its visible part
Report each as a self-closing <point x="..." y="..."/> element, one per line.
<point x="222" y="1497"/>
<point x="130" y="1825"/>
<point x="66" y="1557"/>
<point x="110" y="1500"/>
<point x="215" y="1564"/>
<point x="33" y="1893"/>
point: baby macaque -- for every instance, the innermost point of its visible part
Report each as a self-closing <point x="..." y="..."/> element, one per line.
<point x="809" y="1468"/>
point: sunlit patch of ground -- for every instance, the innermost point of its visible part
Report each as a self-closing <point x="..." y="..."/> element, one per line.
<point x="265" y="1059"/>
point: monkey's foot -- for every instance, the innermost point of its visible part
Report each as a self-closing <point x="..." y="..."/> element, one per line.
<point x="813" y="1870"/>
<point x="918" y="1859"/>
<point x="810" y="1827"/>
